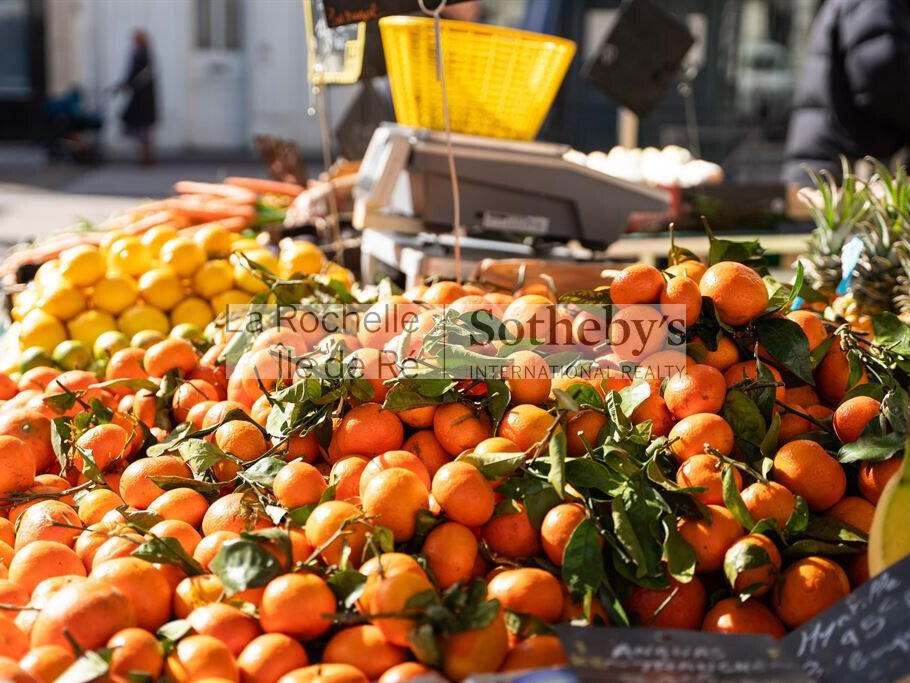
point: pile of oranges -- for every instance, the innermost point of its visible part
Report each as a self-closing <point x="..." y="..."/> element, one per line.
<point x="168" y="518"/>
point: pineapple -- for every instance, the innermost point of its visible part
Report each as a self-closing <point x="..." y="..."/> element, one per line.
<point x="836" y="211"/>
<point x="883" y="234"/>
<point x="902" y="295"/>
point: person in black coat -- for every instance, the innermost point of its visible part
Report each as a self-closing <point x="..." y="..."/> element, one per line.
<point x="853" y="95"/>
<point x="140" y="113"/>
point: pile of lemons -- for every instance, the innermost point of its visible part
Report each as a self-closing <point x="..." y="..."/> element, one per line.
<point x="92" y="300"/>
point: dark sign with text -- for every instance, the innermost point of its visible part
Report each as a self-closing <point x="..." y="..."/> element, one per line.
<point x="865" y="636"/>
<point x="341" y="12"/>
<point x="640" y="56"/>
<point x="644" y="655"/>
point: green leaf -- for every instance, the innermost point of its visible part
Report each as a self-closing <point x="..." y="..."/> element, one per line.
<point x="634" y="395"/>
<point x="627" y="536"/>
<point x="745" y="418"/>
<point x="768" y="445"/>
<point x="582" y="560"/>
<point x="586" y="296"/>
<point x="243" y="564"/>
<point x="494" y="465"/>
<point x="799" y="519"/>
<point x="539" y="503"/>
<point x="734" y="501"/>
<point x="263" y="471"/>
<point x="143" y="520"/>
<point x="679" y="555"/>
<point x="817" y="355"/>
<point x="61" y="440"/>
<point x="786" y="342"/>
<point x="168" y="551"/>
<point x="133" y="384"/>
<point x="743" y="556"/>
<point x="478" y="615"/>
<point x="871" y="448"/>
<point x="178" y="434"/>
<point x="557" y="457"/>
<point x="585" y="473"/>
<point x="347" y="586"/>
<point x="89" y="667"/>
<point x="200" y="455"/>
<point x="808" y="547"/>
<point x="423" y="643"/>
<point x="565" y="402"/>
<point x="585" y="395"/>
<point x="174" y="630"/>
<point x="783" y="298"/>
<point x="830" y="529"/>
<point x="892" y="333"/>
<point x="498" y="399"/>
<point x="90" y="469"/>
<point x="168" y="482"/>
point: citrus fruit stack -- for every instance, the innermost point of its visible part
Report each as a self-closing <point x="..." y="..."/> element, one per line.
<point x="92" y="300"/>
<point x="200" y="512"/>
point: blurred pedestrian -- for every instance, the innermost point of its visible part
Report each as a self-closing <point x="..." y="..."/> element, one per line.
<point x="853" y="95"/>
<point x="140" y="113"/>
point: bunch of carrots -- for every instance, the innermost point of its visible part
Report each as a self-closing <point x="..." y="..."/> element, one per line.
<point x="233" y="204"/>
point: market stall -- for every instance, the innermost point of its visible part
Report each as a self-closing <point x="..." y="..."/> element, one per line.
<point x="501" y="445"/>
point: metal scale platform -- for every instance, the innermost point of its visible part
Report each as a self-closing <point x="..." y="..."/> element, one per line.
<point x="518" y="200"/>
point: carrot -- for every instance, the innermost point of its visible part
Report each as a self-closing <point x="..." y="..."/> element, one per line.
<point x="210" y="211"/>
<point x="146" y="223"/>
<point x="217" y="189"/>
<point x="263" y="186"/>
<point x="235" y="224"/>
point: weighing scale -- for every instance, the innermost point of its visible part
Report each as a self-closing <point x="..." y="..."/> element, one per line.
<point x="517" y="199"/>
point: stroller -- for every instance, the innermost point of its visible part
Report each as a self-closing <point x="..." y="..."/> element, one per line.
<point x="73" y="133"/>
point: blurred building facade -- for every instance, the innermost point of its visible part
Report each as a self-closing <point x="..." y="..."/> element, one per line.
<point x="231" y="69"/>
<point x="226" y="69"/>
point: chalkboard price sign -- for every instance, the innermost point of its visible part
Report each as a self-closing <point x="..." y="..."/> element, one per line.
<point x="865" y="636"/>
<point x="341" y="12"/>
<point x="644" y="655"/>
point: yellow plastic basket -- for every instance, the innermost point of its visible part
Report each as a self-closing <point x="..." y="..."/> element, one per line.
<point x="501" y="82"/>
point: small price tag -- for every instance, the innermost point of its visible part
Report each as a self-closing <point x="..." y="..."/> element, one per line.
<point x="849" y="257"/>
<point x="864" y="637"/>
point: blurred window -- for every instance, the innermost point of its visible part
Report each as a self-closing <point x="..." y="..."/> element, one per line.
<point x="218" y="24"/>
<point x="14" y="62"/>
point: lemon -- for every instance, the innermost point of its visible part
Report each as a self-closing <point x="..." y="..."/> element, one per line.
<point x="187" y="331"/>
<point x="34" y="357"/>
<point x="109" y="238"/>
<point x="183" y="255"/>
<point x="247" y="279"/>
<point x="139" y="317"/>
<point x="63" y="303"/>
<point x="161" y="288"/>
<point x="215" y="241"/>
<point x="72" y="354"/>
<point x="82" y="265"/>
<point x="88" y="325"/>
<point x="213" y="277"/>
<point x="194" y="311"/>
<point x="108" y="343"/>
<point x="48" y="272"/>
<point x="129" y="255"/>
<point x="146" y="338"/>
<point x="28" y="298"/>
<point x="41" y="329"/>
<point x="156" y="237"/>
<point x="245" y="244"/>
<point x="232" y="297"/>
<point x="115" y="293"/>
<point x="301" y="257"/>
<point x="340" y="274"/>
